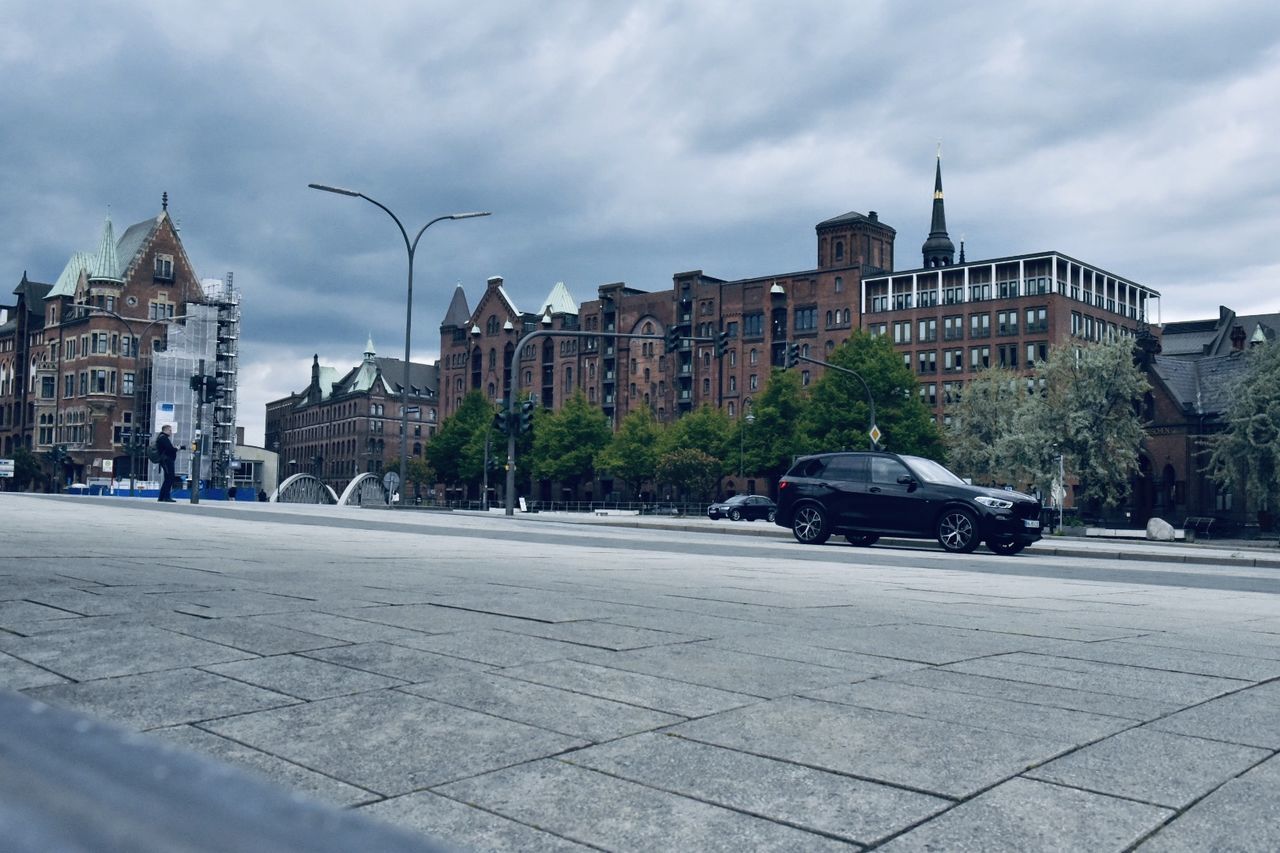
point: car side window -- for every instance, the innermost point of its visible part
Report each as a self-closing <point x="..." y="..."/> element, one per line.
<point x="846" y="469"/>
<point x="886" y="470"/>
<point x="811" y="468"/>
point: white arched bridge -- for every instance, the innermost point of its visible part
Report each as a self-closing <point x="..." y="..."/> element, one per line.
<point x="363" y="490"/>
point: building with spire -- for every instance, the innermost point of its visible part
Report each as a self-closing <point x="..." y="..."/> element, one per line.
<point x="96" y="341"/>
<point x="344" y="424"/>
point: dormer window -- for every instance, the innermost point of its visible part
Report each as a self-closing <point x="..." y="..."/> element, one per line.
<point x="164" y="268"/>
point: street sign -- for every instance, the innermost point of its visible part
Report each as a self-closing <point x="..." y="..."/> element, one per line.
<point x="413" y="410"/>
<point x="875" y="433"/>
<point x="391" y="480"/>
<point x="6" y="467"/>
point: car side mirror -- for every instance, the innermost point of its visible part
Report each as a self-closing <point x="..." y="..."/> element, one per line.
<point x="906" y="480"/>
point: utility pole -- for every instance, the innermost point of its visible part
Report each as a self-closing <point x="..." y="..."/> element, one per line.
<point x="196" y="441"/>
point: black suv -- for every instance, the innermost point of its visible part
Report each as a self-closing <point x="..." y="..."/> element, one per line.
<point x="864" y="496"/>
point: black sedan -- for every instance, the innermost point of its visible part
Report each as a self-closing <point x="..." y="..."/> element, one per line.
<point x="739" y="507"/>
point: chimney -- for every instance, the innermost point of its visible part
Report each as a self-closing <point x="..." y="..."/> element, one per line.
<point x="1237" y="338"/>
<point x="873" y="216"/>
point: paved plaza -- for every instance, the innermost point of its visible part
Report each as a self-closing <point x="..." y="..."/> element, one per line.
<point x="530" y="684"/>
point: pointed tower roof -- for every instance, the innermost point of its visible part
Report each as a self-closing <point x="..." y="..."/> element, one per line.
<point x="560" y="301"/>
<point x="106" y="262"/>
<point x="938" y="250"/>
<point x="458" y="314"/>
<point x="369" y="351"/>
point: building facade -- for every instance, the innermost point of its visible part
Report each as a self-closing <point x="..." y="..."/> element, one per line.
<point x="81" y="389"/>
<point x="346" y="424"/>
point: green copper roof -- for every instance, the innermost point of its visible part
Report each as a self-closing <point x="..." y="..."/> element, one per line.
<point x="106" y="263"/>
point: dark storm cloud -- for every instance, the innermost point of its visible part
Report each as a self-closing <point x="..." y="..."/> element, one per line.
<point x="626" y="142"/>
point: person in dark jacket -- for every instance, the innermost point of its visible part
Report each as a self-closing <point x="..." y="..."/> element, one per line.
<point x="168" y="454"/>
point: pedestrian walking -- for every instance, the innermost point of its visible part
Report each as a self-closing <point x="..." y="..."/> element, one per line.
<point x="167" y="453"/>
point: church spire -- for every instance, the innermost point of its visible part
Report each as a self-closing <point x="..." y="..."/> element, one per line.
<point x="938" y="250"/>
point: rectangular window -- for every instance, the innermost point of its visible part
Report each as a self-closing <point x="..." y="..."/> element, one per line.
<point x="1037" y="319"/>
<point x="878" y="329"/>
<point x="927" y="362"/>
<point x="902" y="332"/>
<point x="979" y="358"/>
<point x="732" y="329"/>
<point x="755" y="382"/>
<point x="928" y="331"/>
<point x="806" y="319"/>
<point x="84" y="384"/>
<point x="880" y="303"/>
<point x="126" y="384"/>
<point x="953" y="361"/>
<point x="953" y="295"/>
<point x="164" y="267"/>
<point x="1007" y="323"/>
<point x="1009" y="356"/>
<point x="928" y="298"/>
<point x="901" y="301"/>
<point x="1006" y="289"/>
<point x="979" y="325"/>
<point x="953" y="328"/>
<point x="753" y="326"/>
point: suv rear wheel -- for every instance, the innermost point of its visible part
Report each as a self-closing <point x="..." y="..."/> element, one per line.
<point x="810" y="525"/>
<point x="958" y="530"/>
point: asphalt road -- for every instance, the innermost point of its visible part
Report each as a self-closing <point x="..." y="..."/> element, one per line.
<point x="539" y="684"/>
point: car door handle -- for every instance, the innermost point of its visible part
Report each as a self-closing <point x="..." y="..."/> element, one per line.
<point x="874" y="490"/>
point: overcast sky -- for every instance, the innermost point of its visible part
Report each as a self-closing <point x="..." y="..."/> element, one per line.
<point x="629" y="141"/>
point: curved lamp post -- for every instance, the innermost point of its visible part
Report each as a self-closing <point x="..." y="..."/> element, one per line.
<point x="411" y="246"/>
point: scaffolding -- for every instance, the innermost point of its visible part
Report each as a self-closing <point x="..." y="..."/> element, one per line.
<point x="210" y="333"/>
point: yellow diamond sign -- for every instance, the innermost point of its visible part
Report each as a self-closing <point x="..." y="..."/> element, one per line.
<point x="875" y="433"/>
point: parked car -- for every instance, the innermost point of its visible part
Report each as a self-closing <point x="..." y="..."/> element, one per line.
<point x="866" y="495"/>
<point x="739" y="507"/>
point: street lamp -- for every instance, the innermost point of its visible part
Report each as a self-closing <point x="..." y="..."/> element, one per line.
<point x="411" y="246"/>
<point x="748" y="419"/>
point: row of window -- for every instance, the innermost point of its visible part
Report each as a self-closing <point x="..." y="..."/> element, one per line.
<point x="953" y="360"/>
<point x="952" y="391"/>
<point x="953" y="327"/>
<point x="954" y="294"/>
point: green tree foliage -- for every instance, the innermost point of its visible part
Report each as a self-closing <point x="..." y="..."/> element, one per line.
<point x="419" y="474"/>
<point x="26" y="469"/>
<point x="981" y="423"/>
<point x="706" y="429"/>
<point x="566" y="442"/>
<point x="692" y="472"/>
<point x="632" y="453"/>
<point x="837" y="415"/>
<point x="1088" y="413"/>
<point x="452" y="453"/>
<point x="774" y="438"/>
<point x="1248" y="450"/>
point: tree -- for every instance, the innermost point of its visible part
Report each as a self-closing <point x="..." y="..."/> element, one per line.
<point x="706" y="429"/>
<point x="837" y="415"/>
<point x="632" y="452"/>
<point x="1248" y="450"/>
<point x="565" y="443"/>
<point x="26" y="469"/>
<point x="1088" y="412"/>
<point x="419" y="474"/>
<point x="691" y="471"/>
<point x="452" y="452"/>
<point x="774" y="438"/>
<point x="982" y="423"/>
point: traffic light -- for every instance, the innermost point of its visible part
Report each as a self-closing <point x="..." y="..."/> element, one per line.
<point x="722" y="344"/>
<point x="197" y="383"/>
<point x="214" y="388"/>
<point x="793" y="355"/>
<point x="500" y="421"/>
<point x="673" y="339"/>
<point x="526" y="416"/>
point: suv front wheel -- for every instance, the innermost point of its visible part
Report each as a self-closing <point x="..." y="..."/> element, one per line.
<point x="810" y="526"/>
<point x="958" y="531"/>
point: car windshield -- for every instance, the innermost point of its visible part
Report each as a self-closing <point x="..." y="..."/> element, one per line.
<point x="737" y="499"/>
<point x="930" y="471"/>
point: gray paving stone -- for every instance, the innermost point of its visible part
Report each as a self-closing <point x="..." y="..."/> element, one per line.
<point x="237" y="602"/>
<point x="431" y="618"/>
<point x="337" y="627"/>
<point x="932" y="644"/>
<point x="1172" y="659"/>
<point x="1037" y="694"/>
<point x="391" y="742"/>
<point x="1240" y="817"/>
<point x="14" y="613"/>
<point x="943" y="758"/>
<point x="852" y="809"/>
<point x="17" y="674"/>
<point x="632" y="688"/>
<point x="1023" y="815"/>
<point x="1250" y="717"/>
<point x="279" y="771"/>
<point x="984" y="712"/>
<point x="303" y="677"/>
<point x="686" y="623"/>
<point x="494" y="648"/>
<point x="1133" y="681"/>
<point x="82" y="602"/>
<point x="1153" y="766"/>
<point x="252" y="635"/>
<point x="602" y="635"/>
<point x="790" y="647"/>
<point x="156" y="699"/>
<point x="576" y="714"/>
<point x="614" y="814"/>
<point x="105" y="653"/>
<point x="539" y="606"/>
<point x="726" y="669"/>
<point x="407" y="664"/>
<point x="451" y="822"/>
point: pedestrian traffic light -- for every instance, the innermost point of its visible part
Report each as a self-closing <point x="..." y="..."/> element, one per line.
<point x="214" y="388"/>
<point x="722" y="344"/>
<point x="197" y="383"/>
<point x="526" y="416"/>
<point x="500" y="421"/>
<point x="793" y="355"/>
<point x="673" y="339"/>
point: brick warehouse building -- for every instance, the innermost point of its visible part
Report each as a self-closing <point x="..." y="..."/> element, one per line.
<point x="85" y="358"/>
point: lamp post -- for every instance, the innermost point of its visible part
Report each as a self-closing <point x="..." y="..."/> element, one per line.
<point x="411" y="246"/>
<point x="135" y="343"/>
<point x="747" y="419"/>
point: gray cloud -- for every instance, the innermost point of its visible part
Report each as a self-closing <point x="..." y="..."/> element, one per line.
<point x="630" y="141"/>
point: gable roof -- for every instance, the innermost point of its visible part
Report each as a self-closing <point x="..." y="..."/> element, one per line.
<point x="112" y="260"/>
<point x="560" y="301"/>
<point x="1205" y="385"/>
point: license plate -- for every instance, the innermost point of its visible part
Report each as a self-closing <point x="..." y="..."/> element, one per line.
<point x="1031" y="522"/>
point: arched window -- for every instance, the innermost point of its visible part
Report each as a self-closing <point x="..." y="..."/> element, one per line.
<point x="828" y="318"/>
<point x="839" y="284"/>
<point x="839" y="250"/>
<point x="733" y="411"/>
<point x="493" y="359"/>
<point x="491" y="326"/>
